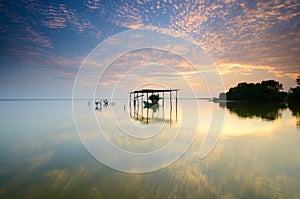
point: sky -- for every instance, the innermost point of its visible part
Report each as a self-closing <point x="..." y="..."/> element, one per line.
<point x="44" y="43"/>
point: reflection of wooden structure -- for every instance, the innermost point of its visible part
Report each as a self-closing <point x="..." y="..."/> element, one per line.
<point x="137" y="101"/>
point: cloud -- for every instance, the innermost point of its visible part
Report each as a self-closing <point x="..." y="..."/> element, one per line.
<point x="230" y="68"/>
<point x="37" y="38"/>
<point x="93" y="4"/>
<point x="128" y="15"/>
<point x="254" y="32"/>
<point x="35" y="25"/>
<point x="233" y="73"/>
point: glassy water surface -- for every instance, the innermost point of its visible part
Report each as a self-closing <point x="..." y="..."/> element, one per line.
<point x="256" y="156"/>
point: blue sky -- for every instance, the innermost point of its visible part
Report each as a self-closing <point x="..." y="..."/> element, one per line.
<point x="43" y="43"/>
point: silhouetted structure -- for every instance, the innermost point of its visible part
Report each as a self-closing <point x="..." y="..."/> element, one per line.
<point x="137" y="104"/>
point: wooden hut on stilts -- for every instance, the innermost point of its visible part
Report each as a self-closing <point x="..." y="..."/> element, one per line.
<point x="149" y="99"/>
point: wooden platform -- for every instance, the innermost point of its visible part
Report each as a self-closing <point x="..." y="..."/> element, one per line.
<point x="137" y="100"/>
<point x="154" y="91"/>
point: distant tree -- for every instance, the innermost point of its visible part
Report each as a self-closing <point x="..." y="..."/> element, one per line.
<point x="272" y="85"/>
<point x="294" y="94"/>
<point x="222" y="96"/>
<point x="268" y="90"/>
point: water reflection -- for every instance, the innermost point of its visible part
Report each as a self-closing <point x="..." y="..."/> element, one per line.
<point x="158" y="113"/>
<point x="42" y="157"/>
<point x="295" y="108"/>
<point x="266" y="111"/>
<point x="102" y="104"/>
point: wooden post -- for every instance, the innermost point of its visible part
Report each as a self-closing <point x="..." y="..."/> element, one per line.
<point x="142" y="107"/>
<point x="129" y="99"/>
<point x="163" y="105"/>
<point x="147" y="98"/>
<point x="147" y="109"/>
<point x="130" y="104"/>
<point x="163" y="99"/>
<point x="170" y="98"/>
<point x="170" y="106"/>
<point x="176" y="104"/>
<point x="134" y="104"/>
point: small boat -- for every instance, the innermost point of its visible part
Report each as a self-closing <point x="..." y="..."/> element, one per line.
<point x="149" y="105"/>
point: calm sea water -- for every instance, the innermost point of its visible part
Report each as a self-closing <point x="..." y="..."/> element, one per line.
<point x="44" y="155"/>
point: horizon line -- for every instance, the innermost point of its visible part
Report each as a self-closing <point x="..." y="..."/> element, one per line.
<point x="68" y="99"/>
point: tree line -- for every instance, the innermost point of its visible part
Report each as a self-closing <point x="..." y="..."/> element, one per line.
<point x="268" y="90"/>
